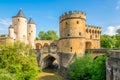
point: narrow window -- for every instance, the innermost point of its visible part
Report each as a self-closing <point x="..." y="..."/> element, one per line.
<point x="95" y="31"/>
<point x="79" y="33"/>
<point x="66" y="23"/>
<point x="90" y="31"/>
<point x="90" y="36"/>
<point x="68" y="34"/>
<point x="77" y="22"/>
<point x="98" y="32"/>
<point x="87" y="30"/>
<point x="71" y="49"/>
<point x="96" y="36"/>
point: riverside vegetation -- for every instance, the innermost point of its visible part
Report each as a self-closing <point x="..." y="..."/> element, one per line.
<point x="88" y="68"/>
<point x="18" y="62"/>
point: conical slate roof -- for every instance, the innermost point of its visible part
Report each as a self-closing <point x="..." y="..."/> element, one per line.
<point x="31" y="21"/>
<point x="10" y="26"/>
<point x="20" y="14"/>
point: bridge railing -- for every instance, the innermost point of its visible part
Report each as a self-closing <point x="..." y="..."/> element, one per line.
<point x="99" y="51"/>
<point x="45" y="49"/>
<point x="53" y="49"/>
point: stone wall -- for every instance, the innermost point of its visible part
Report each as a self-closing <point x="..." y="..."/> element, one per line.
<point x="113" y="66"/>
<point x="97" y="52"/>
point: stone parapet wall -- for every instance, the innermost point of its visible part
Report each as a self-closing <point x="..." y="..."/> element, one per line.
<point x="113" y="65"/>
<point x="104" y="50"/>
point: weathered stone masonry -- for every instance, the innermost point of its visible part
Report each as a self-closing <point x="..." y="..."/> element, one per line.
<point x="113" y="66"/>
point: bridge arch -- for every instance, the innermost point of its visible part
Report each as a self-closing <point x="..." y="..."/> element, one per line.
<point x="49" y="61"/>
<point x="45" y="45"/>
<point x="38" y="46"/>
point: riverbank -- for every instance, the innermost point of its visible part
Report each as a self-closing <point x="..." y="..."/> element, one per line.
<point x="50" y="75"/>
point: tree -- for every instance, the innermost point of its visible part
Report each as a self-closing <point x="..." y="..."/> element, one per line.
<point x="107" y="41"/>
<point x="98" y="69"/>
<point x="18" y="62"/>
<point x="49" y="35"/>
<point x="117" y="41"/>
<point x="88" y="68"/>
<point x="117" y="36"/>
<point x="80" y="69"/>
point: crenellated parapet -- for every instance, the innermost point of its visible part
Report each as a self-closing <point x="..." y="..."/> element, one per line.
<point x="93" y="29"/>
<point x="72" y="15"/>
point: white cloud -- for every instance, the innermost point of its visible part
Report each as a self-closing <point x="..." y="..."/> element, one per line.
<point x="111" y="30"/>
<point x="3" y="29"/>
<point x="5" y="22"/>
<point x="117" y="7"/>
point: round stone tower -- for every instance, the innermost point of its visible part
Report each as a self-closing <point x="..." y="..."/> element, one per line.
<point x="19" y="22"/>
<point x="72" y="33"/>
<point x="11" y="32"/>
<point x="31" y="32"/>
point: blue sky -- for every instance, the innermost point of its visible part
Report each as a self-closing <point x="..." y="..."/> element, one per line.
<point x="45" y="13"/>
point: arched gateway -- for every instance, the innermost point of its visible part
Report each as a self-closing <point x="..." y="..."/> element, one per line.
<point x="49" y="61"/>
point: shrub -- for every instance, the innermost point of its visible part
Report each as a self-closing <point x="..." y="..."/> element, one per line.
<point x="88" y="68"/>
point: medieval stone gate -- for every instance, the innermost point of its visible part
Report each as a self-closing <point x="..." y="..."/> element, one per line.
<point x="47" y="53"/>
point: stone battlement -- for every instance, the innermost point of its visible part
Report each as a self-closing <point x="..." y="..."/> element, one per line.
<point x="92" y="26"/>
<point x="93" y="29"/>
<point x="73" y="14"/>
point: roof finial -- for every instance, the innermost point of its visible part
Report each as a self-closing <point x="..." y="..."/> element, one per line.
<point x="20" y="8"/>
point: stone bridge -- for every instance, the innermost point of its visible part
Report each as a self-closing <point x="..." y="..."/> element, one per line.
<point x="47" y="53"/>
<point x="47" y="56"/>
